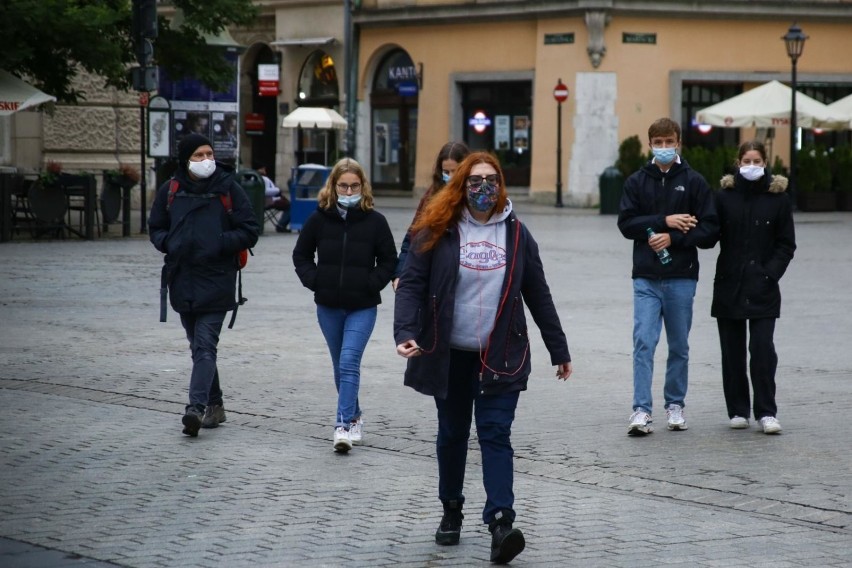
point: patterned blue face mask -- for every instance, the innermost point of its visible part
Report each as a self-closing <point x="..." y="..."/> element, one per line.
<point x="482" y="198"/>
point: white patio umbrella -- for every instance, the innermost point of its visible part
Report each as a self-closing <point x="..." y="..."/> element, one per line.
<point x="315" y="117"/>
<point x="840" y="112"/>
<point x="16" y="94"/>
<point x="766" y="106"/>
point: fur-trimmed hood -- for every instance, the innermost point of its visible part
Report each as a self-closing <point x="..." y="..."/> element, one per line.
<point x="777" y="184"/>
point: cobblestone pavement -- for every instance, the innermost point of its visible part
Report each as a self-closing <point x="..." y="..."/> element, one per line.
<point x="94" y="470"/>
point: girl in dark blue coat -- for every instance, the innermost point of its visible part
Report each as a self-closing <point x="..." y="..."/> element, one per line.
<point x="459" y="320"/>
<point x="346" y="255"/>
<point x="191" y="224"/>
<point x="757" y="243"/>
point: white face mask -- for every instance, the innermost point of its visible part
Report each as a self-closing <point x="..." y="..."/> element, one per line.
<point x="203" y="169"/>
<point x="751" y="173"/>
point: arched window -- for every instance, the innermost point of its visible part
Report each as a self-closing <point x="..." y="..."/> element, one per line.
<point x="318" y="81"/>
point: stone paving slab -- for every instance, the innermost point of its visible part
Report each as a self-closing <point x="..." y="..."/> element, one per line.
<point x="92" y="462"/>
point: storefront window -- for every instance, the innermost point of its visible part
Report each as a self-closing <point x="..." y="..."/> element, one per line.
<point x="697" y="96"/>
<point x="318" y="87"/>
<point x="498" y="118"/>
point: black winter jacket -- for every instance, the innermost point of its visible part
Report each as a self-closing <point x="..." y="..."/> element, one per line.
<point x="757" y="243"/>
<point x="201" y="240"/>
<point x="355" y="257"/>
<point x="425" y="300"/>
<point x="649" y="197"/>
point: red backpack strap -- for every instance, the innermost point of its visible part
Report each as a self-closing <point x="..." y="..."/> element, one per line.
<point x="226" y="202"/>
<point x="173" y="188"/>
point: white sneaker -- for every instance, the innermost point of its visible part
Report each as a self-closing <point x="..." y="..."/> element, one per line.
<point x="640" y="424"/>
<point x="342" y="443"/>
<point x="770" y="425"/>
<point x="356" y="431"/>
<point x="738" y="422"/>
<point x="674" y="414"/>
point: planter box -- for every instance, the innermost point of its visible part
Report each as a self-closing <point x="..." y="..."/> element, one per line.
<point x="817" y="201"/>
<point x="844" y="200"/>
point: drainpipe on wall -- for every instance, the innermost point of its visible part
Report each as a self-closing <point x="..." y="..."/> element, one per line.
<point x="350" y="40"/>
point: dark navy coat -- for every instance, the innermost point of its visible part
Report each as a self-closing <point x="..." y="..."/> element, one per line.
<point x="425" y="301"/>
<point x="649" y="197"/>
<point x="345" y="262"/>
<point x="757" y="243"/>
<point x="201" y="239"/>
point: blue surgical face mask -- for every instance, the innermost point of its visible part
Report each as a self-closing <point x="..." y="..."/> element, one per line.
<point x="664" y="156"/>
<point x="445" y="176"/>
<point x="482" y="198"/>
<point x="348" y="201"/>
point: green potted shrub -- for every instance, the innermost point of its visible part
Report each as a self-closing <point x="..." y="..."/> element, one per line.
<point x="843" y="177"/>
<point x="813" y="180"/>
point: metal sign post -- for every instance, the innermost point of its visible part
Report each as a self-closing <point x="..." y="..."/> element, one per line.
<point x="560" y="93"/>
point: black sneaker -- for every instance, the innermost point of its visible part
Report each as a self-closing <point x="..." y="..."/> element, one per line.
<point x="449" y="531"/>
<point x="506" y="542"/>
<point x="213" y="416"/>
<point x="192" y="421"/>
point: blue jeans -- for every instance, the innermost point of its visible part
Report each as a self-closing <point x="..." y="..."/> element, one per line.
<point x="202" y="331"/>
<point x="656" y="302"/>
<point x="346" y="332"/>
<point x="494" y="417"/>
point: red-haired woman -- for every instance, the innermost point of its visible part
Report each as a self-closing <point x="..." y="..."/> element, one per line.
<point x="459" y="320"/>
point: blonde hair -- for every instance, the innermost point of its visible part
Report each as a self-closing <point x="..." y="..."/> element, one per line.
<point x="327" y="197"/>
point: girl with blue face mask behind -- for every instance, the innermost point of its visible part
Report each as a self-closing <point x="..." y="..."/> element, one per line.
<point x="345" y="255"/>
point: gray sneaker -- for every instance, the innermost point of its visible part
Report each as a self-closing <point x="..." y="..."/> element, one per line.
<point x="213" y="416"/>
<point x="675" y="418"/>
<point x="640" y="423"/>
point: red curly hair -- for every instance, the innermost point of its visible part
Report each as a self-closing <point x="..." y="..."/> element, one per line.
<point x="445" y="208"/>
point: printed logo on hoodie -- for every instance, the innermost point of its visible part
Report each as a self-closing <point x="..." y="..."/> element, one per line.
<point x="482" y="255"/>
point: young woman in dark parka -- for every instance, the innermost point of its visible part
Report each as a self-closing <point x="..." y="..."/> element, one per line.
<point x="459" y="320"/>
<point x="757" y="243"/>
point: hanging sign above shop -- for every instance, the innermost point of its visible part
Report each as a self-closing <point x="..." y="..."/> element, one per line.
<point x="268" y="79"/>
<point x="254" y="123"/>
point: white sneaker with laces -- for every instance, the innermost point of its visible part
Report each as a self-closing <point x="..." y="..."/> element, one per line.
<point x="738" y="422"/>
<point x="770" y="425"/>
<point x="342" y="442"/>
<point x="356" y="431"/>
<point x="674" y="414"/>
<point x="640" y="423"/>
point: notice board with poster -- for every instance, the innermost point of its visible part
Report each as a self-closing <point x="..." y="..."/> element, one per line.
<point x="197" y="109"/>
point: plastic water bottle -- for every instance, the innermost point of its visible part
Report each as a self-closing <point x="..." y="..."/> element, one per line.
<point x="662" y="254"/>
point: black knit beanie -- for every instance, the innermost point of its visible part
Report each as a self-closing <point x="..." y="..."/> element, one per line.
<point x="188" y="145"/>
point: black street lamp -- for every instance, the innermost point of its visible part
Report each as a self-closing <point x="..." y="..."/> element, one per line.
<point x="794" y="40"/>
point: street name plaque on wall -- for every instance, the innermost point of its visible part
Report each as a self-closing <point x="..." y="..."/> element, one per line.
<point x="648" y="39"/>
<point x="553" y="39"/>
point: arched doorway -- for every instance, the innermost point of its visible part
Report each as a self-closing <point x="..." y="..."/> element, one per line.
<point x="261" y="125"/>
<point x="393" y="122"/>
<point x="318" y="87"/>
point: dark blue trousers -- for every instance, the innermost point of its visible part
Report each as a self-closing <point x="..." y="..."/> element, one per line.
<point x="494" y="416"/>
<point x="202" y="331"/>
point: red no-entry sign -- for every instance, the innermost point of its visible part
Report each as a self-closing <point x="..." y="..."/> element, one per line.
<point x="560" y="92"/>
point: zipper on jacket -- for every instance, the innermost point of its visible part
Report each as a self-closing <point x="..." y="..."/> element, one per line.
<point x="342" y="259"/>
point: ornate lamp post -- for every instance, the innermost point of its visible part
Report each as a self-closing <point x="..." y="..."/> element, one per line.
<point x="794" y="40"/>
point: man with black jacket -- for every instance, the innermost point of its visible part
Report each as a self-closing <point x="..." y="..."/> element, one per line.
<point x="201" y="219"/>
<point x="666" y="205"/>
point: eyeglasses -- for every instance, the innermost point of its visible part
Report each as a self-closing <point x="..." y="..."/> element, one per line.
<point x="474" y="181"/>
<point x="346" y="187"/>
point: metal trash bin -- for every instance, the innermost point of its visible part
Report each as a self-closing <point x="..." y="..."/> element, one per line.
<point x="252" y="183"/>
<point x="611" y="186"/>
<point x="305" y="183"/>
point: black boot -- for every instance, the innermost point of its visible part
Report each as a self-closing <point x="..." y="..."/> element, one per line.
<point x="506" y="542"/>
<point x="451" y="523"/>
<point x="192" y="420"/>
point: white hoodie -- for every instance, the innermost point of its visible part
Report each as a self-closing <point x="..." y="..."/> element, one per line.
<point x="482" y="268"/>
